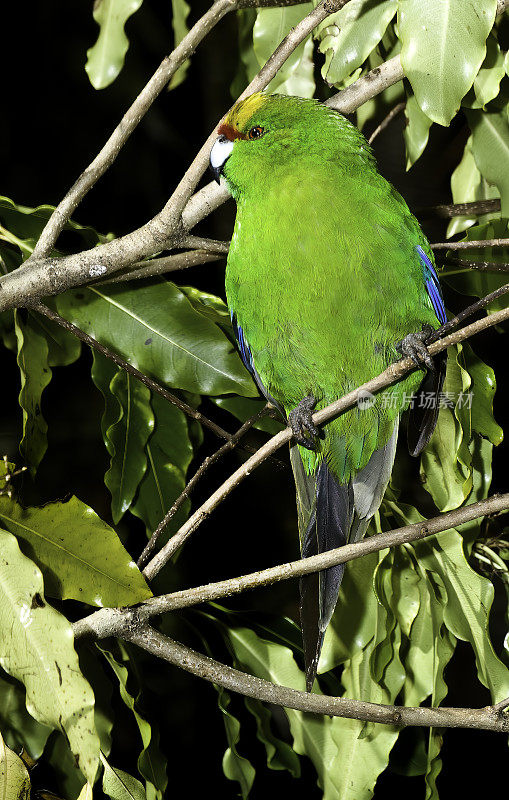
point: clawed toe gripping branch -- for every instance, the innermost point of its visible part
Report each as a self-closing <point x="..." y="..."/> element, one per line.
<point x="126" y="258"/>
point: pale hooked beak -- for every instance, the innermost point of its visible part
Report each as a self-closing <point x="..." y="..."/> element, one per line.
<point x="219" y="155"/>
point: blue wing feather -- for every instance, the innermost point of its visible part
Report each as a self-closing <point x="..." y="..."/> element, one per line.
<point x="432" y="285"/>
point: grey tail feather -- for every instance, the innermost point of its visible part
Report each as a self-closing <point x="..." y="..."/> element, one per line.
<point x="330" y="515"/>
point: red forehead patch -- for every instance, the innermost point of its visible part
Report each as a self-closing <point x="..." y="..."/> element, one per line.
<point x="230" y="132"/>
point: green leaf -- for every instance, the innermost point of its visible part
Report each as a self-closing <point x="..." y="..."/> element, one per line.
<point x="86" y="793"/>
<point x="468" y="185"/>
<point x="271" y="26"/>
<point x="80" y="555"/>
<point x="351" y="627"/>
<point x="35" y="374"/>
<point x="279" y="754"/>
<point x="106" y="58"/>
<point x="36" y="646"/>
<point x="235" y="767"/>
<point x="126" y="440"/>
<point x="119" y="785"/>
<point x="18" y="727"/>
<point x="348" y="36"/>
<point x="22" y="226"/>
<point x="443" y="44"/>
<point x="156" y="328"/>
<point x="179" y="24"/>
<point x="416" y="133"/>
<point x="446" y="461"/>
<point x="466" y="613"/>
<point x="14" y="777"/>
<point x="487" y="81"/>
<point x="169" y="453"/>
<point x="490" y="146"/>
<point x="151" y="762"/>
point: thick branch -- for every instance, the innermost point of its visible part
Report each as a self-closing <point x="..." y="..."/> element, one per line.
<point x="391" y="375"/>
<point x="197" y="664"/>
<point x="107" y="622"/>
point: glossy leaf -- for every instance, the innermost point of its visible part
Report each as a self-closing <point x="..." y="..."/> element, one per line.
<point x="468" y="185"/>
<point x="35" y="375"/>
<point x="126" y="440"/>
<point x="271" y="26"/>
<point x="487" y="81"/>
<point x="348" y="36"/>
<point x="490" y="146"/>
<point x="180" y="11"/>
<point x="80" y="555"/>
<point x="87" y="793"/>
<point x="36" y="646"/>
<point x="14" y="777"/>
<point x="119" y="785"/>
<point x="19" y="729"/>
<point x="235" y="767"/>
<point x="416" y="133"/>
<point x="443" y="44"/>
<point x="169" y="453"/>
<point x="106" y="58"/>
<point x="248" y="63"/>
<point x="151" y="762"/>
<point x="155" y="327"/>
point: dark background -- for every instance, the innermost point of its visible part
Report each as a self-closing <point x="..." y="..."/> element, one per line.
<point x="52" y="124"/>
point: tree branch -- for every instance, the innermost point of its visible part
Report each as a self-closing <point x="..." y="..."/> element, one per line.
<point x="160" y="266"/>
<point x="392" y="374"/>
<point x="450" y="210"/>
<point x="483" y="266"/>
<point x="468" y="245"/>
<point x="150" y="640"/>
<point x="387" y="121"/>
<point x="108" y="622"/>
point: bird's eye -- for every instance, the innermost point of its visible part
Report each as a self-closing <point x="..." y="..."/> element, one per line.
<point x="255" y="132"/>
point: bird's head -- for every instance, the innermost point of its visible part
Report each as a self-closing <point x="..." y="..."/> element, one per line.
<point x="265" y="135"/>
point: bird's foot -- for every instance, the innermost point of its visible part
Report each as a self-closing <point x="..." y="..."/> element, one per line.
<point x="414" y="346"/>
<point x="301" y="422"/>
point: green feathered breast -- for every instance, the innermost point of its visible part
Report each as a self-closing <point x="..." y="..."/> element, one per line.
<point x="323" y="273"/>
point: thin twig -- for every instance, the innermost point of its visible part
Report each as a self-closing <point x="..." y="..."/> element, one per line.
<point x="200" y="472"/>
<point x="483" y="266"/>
<point x="392" y="374"/>
<point x="467" y="312"/>
<point x="467" y="245"/>
<point x="120" y="362"/>
<point x="450" y="210"/>
<point x="162" y="265"/>
<point x="387" y="121"/>
<point x="111" y="622"/>
<point x="169" y="650"/>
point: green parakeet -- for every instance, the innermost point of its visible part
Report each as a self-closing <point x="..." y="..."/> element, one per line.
<point x="327" y="272"/>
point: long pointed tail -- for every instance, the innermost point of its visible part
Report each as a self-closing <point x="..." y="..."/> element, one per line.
<point x="330" y="515"/>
